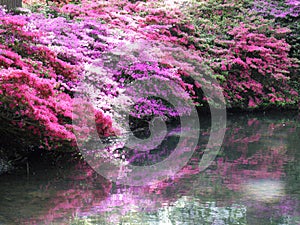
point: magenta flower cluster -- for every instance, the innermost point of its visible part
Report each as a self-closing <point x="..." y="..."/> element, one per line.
<point x="43" y="58"/>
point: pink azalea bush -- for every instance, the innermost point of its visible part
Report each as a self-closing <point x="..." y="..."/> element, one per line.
<point x="45" y="55"/>
<point x="239" y="63"/>
<point x="286" y="14"/>
<point x="248" y="54"/>
<point x="83" y="44"/>
<point x="254" y="64"/>
<point x="277" y="9"/>
<point x="35" y="85"/>
<point x="57" y="68"/>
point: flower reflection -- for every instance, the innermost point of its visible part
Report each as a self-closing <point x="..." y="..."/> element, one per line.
<point x="246" y="184"/>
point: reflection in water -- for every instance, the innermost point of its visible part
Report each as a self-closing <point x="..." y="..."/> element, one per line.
<point x="264" y="190"/>
<point x="254" y="180"/>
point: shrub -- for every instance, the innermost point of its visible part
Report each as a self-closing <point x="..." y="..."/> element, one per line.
<point x="36" y="87"/>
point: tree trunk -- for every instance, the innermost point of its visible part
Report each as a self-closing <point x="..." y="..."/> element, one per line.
<point x="11" y="4"/>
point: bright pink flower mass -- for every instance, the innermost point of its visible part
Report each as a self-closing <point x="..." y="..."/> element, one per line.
<point x="45" y="54"/>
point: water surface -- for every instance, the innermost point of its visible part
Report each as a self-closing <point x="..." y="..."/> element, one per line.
<point x="254" y="180"/>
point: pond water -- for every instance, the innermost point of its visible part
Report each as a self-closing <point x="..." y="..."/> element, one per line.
<point x="255" y="180"/>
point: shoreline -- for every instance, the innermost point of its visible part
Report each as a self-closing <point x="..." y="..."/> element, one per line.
<point x="16" y="166"/>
